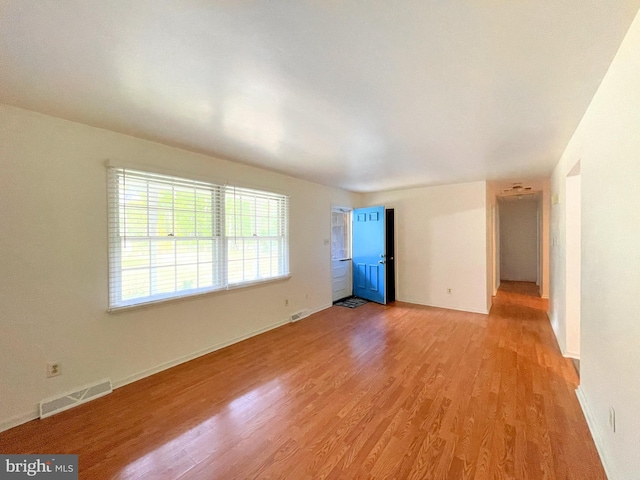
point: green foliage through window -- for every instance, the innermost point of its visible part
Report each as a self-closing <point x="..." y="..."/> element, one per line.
<point x="171" y="237"/>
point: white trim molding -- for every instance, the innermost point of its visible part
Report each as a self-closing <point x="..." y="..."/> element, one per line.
<point x="595" y="433"/>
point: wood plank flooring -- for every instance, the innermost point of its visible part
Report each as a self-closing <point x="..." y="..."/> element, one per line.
<point x="398" y="392"/>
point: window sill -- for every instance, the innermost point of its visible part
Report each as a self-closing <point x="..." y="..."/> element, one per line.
<point x="163" y="301"/>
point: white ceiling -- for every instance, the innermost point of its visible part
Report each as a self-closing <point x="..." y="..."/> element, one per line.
<point x="363" y="95"/>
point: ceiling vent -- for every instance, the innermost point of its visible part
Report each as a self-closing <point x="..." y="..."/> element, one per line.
<point x="517" y="189"/>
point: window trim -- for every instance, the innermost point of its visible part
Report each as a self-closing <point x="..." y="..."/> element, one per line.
<point x="346" y="234"/>
<point x="181" y="298"/>
<point x="219" y="190"/>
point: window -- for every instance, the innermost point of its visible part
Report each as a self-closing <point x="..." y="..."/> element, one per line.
<point x="172" y="237"/>
<point x="256" y="226"/>
<point x="340" y="234"/>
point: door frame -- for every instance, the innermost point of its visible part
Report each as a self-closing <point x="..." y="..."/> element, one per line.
<point x="347" y="259"/>
<point x="369" y="253"/>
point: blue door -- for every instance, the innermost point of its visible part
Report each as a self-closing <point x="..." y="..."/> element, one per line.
<point x="368" y="253"/>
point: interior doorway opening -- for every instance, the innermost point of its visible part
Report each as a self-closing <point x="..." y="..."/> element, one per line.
<point x="341" y="270"/>
<point x="519" y="239"/>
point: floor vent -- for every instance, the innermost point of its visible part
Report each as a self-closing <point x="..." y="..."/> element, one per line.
<point x="299" y="315"/>
<point x="73" y="399"/>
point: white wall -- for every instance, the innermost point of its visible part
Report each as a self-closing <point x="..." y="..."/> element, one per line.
<point x="607" y="143"/>
<point x="53" y="259"/>
<point x="519" y="240"/>
<point x="441" y="236"/>
<point x="493" y="269"/>
<point x="544" y="239"/>
<point x="557" y="252"/>
<point x="572" y="265"/>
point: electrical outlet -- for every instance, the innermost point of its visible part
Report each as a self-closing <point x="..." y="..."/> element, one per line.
<point x="286" y="302"/>
<point x="54" y="369"/>
<point x="449" y="291"/>
<point x="612" y="419"/>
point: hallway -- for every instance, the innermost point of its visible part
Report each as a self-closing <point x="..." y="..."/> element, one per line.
<point x="525" y="294"/>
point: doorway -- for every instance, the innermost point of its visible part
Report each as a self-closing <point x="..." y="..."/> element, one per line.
<point x="341" y="274"/>
<point x="519" y="239"/>
<point x="373" y="252"/>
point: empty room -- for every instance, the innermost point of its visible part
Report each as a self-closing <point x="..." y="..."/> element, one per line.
<point x="309" y="240"/>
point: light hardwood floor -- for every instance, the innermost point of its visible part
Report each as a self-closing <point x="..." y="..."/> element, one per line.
<point x="399" y="391"/>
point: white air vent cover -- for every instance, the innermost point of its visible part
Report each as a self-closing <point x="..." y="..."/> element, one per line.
<point x="299" y="315"/>
<point x="517" y="188"/>
<point x="73" y="399"/>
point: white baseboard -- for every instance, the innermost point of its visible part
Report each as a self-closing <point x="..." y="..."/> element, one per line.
<point x="593" y="428"/>
<point x="447" y="307"/>
<point x="164" y="366"/>
<point x="191" y="356"/>
<point x="324" y="307"/>
<point x="20" y="419"/>
<point x="569" y="354"/>
<point x="35" y="413"/>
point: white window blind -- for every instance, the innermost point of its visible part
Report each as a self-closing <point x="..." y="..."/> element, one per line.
<point x="172" y="237"/>
<point x="257" y="235"/>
